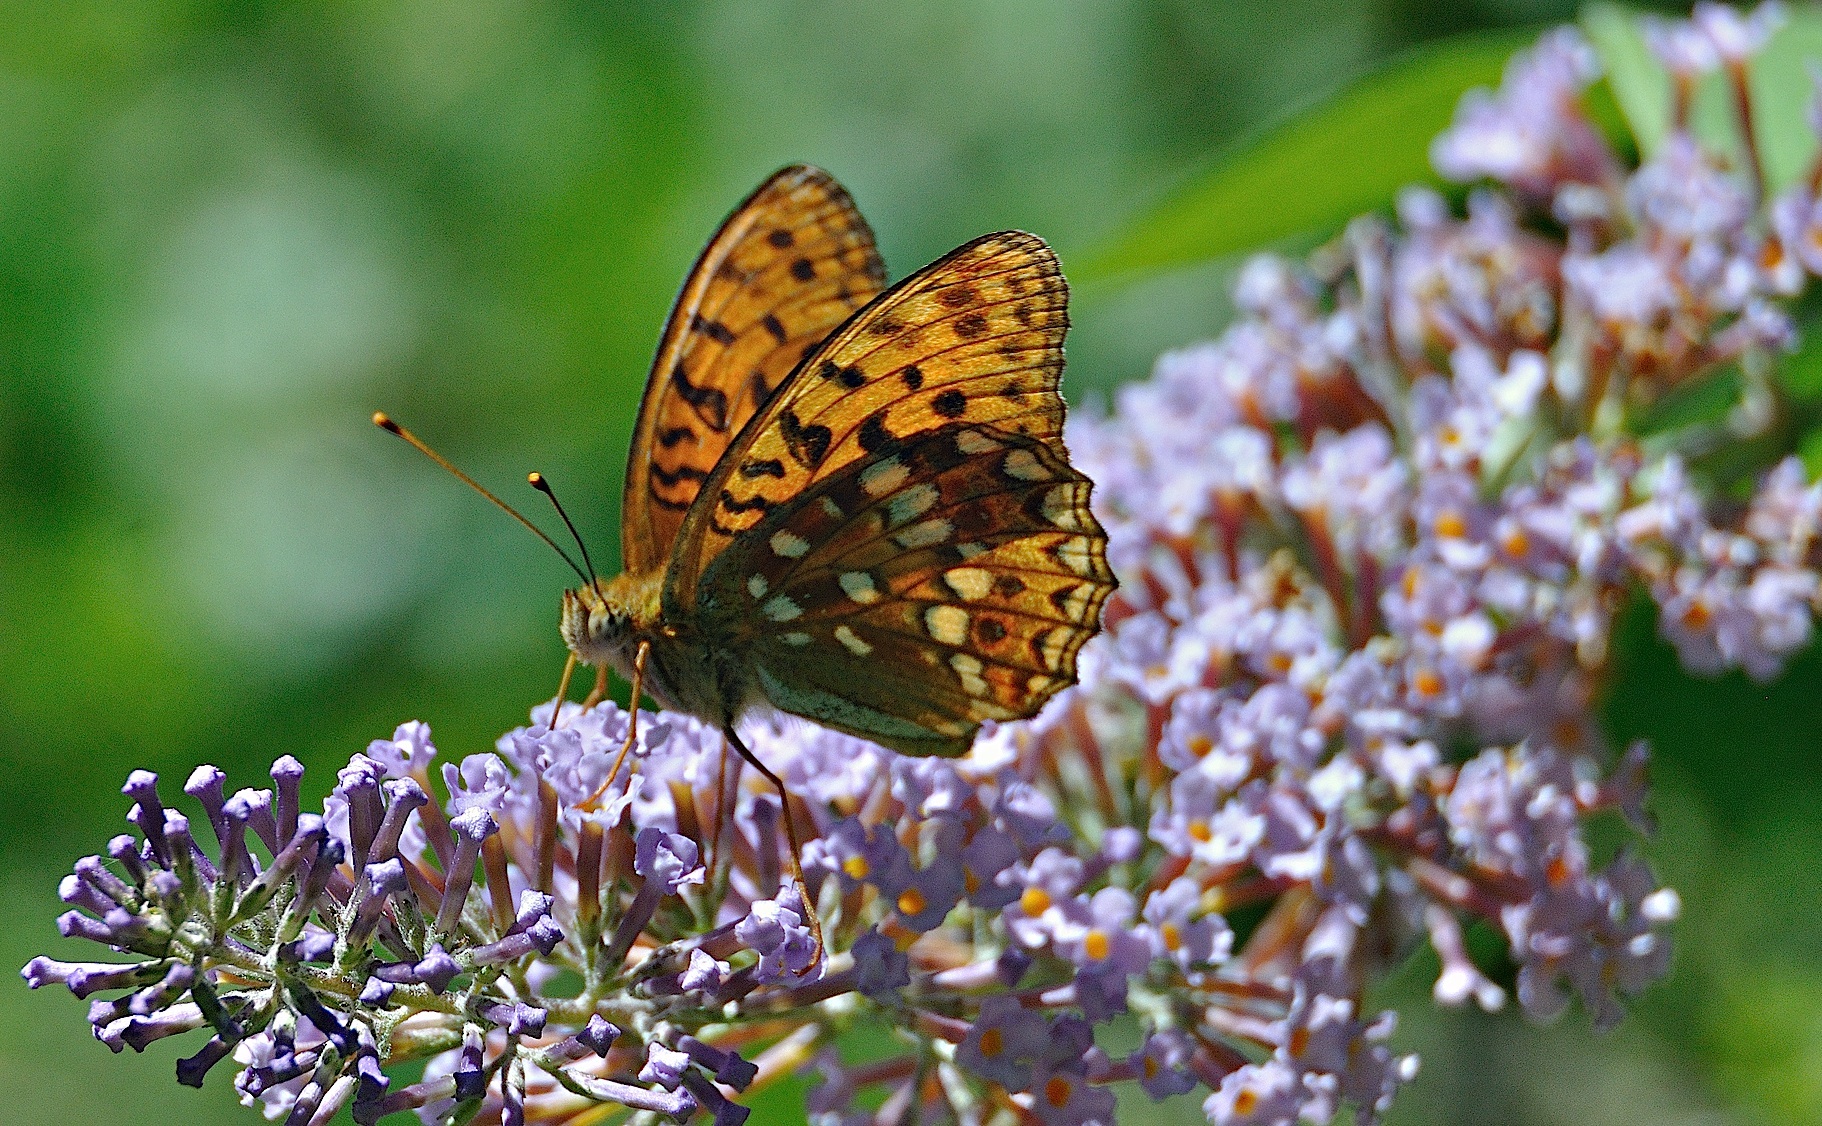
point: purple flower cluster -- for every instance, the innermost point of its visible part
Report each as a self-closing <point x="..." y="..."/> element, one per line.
<point x="1371" y="542"/>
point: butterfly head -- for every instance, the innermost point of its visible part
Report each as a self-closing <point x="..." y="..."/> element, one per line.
<point x="604" y="620"/>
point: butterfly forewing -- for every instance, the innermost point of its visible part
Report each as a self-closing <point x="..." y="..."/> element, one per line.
<point x="975" y="338"/>
<point x="787" y="267"/>
<point x="910" y="595"/>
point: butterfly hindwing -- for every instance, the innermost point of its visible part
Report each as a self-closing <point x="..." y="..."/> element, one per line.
<point x="789" y="264"/>
<point x="946" y="580"/>
<point x="974" y="338"/>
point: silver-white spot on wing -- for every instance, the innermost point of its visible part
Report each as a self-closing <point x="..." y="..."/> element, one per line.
<point x="781" y="609"/>
<point x="948" y="624"/>
<point x="884" y="476"/>
<point x="927" y="534"/>
<point x="787" y="546"/>
<point x="858" y="586"/>
<point x="969" y="583"/>
<point x="851" y="641"/>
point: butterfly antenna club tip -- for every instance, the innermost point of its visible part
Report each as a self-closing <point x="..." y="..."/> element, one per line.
<point x="541" y="483"/>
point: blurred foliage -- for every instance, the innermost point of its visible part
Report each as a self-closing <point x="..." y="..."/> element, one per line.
<point x="1780" y="83"/>
<point x="230" y="231"/>
<point x="1315" y="171"/>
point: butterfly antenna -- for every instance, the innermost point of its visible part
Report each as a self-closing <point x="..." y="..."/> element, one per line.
<point x="382" y="420"/>
<point x="538" y="482"/>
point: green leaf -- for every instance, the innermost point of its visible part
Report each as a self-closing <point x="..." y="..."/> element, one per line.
<point x="1781" y="89"/>
<point x="1639" y="84"/>
<point x="1778" y="80"/>
<point x="1800" y="374"/>
<point x="1703" y="401"/>
<point x="1349" y="155"/>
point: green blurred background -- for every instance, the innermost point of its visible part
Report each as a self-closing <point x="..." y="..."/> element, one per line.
<point x="228" y="232"/>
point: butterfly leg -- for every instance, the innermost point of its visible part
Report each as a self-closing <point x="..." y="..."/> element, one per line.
<point x="599" y="691"/>
<point x="632" y="722"/>
<point x="790" y="829"/>
<point x="556" y="706"/>
<point x="727" y="786"/>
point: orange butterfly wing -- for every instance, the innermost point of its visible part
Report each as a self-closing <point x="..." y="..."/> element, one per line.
<point x="787" y="266"/>
<point x="976" y="337"/>
<point x="897" y="544"/>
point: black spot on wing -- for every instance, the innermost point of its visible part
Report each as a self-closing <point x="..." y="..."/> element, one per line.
<point x="731" y="503"/>
<point x="874" y="437"/>
<point x="709" y="403"/>
<point x="758" y="467"/>
<point x="849" y="377"/>
<point x="714" y="330"/>
<point x="676" y="477"/>
<point x="808" y="444"/>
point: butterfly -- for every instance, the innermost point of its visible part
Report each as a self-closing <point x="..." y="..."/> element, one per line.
<point x="850" y="502"/>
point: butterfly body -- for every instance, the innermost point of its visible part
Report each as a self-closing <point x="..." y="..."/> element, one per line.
<point x="687" y="670"/>
<point x="848" y="502"/>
